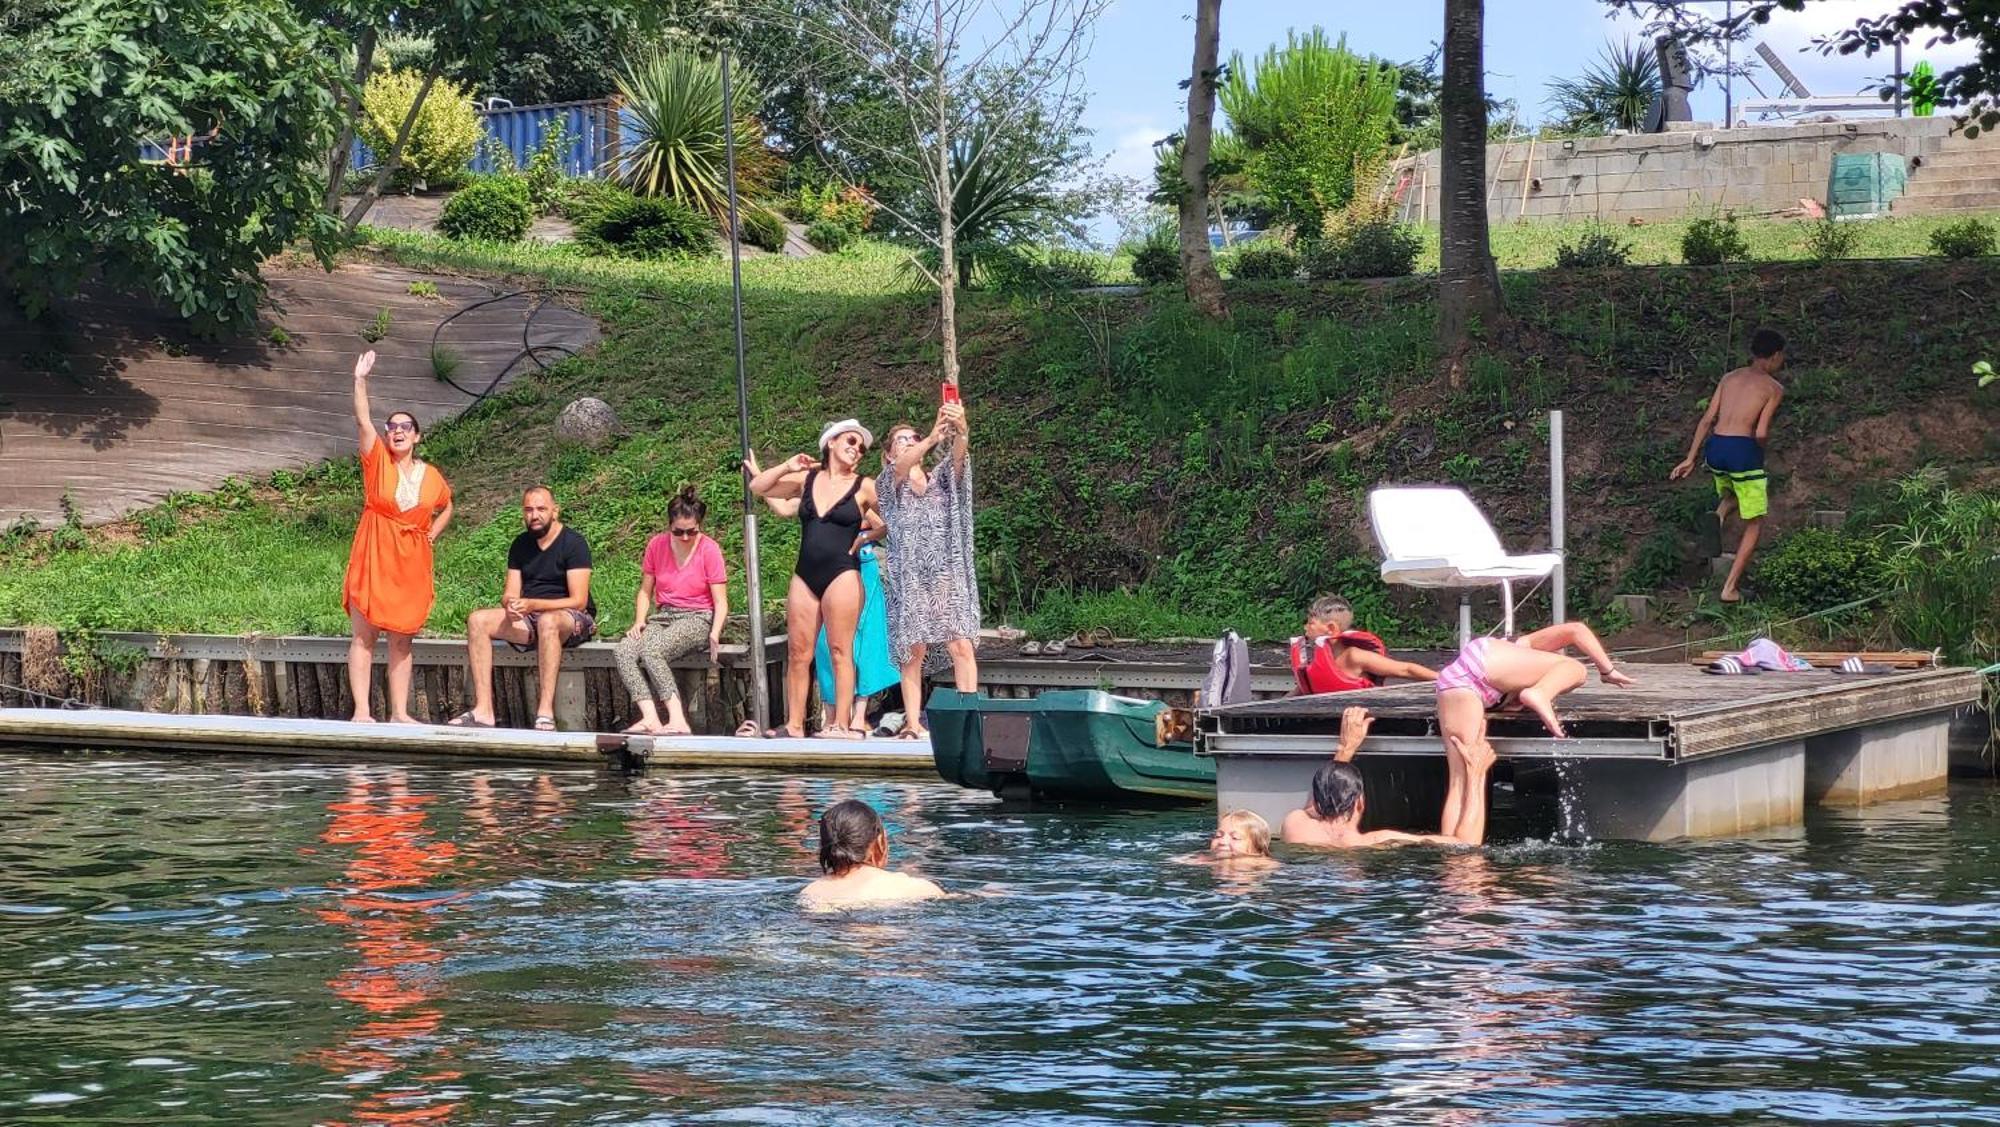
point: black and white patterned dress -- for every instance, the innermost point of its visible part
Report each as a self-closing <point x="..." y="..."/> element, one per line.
<point x="928" y="573"/>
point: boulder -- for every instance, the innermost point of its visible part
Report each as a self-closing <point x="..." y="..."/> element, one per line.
<point x="587" y="422"/>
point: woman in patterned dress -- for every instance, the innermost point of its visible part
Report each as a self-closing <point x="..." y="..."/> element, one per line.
<point x="933" y="593"/>
<point x="389" y="587"/>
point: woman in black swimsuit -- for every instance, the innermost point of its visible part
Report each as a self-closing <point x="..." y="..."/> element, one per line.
<point x="837" y="515"/>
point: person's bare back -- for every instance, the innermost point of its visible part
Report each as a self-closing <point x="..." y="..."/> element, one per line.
<point x="1743" y="401"/>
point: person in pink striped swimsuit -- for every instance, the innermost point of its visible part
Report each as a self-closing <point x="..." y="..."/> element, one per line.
<point x="1529" y="673"/>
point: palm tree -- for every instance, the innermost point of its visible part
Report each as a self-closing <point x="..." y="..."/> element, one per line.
<point x="1468" y="280"/>
<point x="674" y="138"/>
<point x="1612" y="93"/>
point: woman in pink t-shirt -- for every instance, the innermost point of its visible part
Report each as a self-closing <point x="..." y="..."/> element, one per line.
<point x="683" y="599"/>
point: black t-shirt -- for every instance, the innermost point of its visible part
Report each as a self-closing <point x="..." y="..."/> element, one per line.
<point x="545" y="571"/>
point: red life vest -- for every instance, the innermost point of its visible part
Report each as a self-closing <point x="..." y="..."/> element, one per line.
<point x="1315" y="670"/>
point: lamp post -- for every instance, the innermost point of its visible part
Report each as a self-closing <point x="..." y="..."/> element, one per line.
<point x="760" y="690"/>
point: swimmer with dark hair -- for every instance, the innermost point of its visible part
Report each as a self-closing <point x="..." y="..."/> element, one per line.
<point x="853" y="848"/>
<point x="1331" y="817"/>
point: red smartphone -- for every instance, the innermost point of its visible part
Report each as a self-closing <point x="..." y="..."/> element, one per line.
<point x="950" y="392"/>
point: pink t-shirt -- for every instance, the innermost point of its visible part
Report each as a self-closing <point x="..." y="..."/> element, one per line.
<point x="685" y="588"/>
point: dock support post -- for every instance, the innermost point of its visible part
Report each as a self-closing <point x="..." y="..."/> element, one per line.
<point x="1737" y="793"/>
<point x="1464" y="620"/>
<point x="1901" y="758"/>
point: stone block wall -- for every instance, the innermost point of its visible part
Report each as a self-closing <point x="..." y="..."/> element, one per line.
<point x="1751" y="170"/>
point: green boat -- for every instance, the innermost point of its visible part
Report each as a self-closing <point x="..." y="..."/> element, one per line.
<point x="1071" y="743"/>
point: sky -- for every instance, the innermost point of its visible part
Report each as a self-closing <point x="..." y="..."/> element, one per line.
<point x="1144" y="49"/>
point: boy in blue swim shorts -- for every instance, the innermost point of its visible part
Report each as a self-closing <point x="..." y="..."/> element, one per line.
<point x="1731" y="438"/>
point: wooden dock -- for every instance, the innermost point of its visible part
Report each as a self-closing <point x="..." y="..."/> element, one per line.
<point x="1682" y="754"/>
<point x="97" y="728"/>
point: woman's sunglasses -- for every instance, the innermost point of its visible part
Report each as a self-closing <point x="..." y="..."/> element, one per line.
<point x="685" y="533"/>
<point x="400" y="424"/>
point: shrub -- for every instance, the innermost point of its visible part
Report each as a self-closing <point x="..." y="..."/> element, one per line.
<point x="852" y="207"/>
<point x="1816" y="568"/>
<point x="442" y="139"/>
<point x="581" y="200"/>
<point x="1967" y="238"/>
<point x="494" y="209"/>
<point x="1829" y="241"/>
<point x="1029" y="273"/>
<point x="1265" y="259"/>
<point x="829" y="236"/>
<point x="764" y="228"/>
<point x="675" y="137"/>
<point x="1710" y="241"/>
<point x="648" y="227"/>
<point x="1371" y="248"/>
<point x="544" y="174"/>
<point x="1595" y="249"/>
<point x="1156" y="265"/>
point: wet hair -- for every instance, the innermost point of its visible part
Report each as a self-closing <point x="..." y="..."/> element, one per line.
<point x="848" y="831"/>
<point x="1326" y="607"/>
<point x="1766" y="343"/>
<point x="1253" y="826"/>
<point x="416" y="427"/>
<point x="1336" y="791"/>
<point x="539" y="488"/>
<point x="687" y="504"/>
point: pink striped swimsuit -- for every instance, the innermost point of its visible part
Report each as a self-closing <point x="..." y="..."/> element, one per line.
<point x="1469" y="672"/>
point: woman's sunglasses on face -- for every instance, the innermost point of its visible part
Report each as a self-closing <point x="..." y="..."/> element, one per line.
<point x="685" y="533"/>
<point x="394" y="425"/>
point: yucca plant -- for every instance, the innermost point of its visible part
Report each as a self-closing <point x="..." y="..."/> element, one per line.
<point x="674" y="139"/>
<point x="1612" y="93"/>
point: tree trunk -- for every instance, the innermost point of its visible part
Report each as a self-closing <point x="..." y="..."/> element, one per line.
<point x="394" y="158"/>
<point x="1204" y="285"/>
<point x="350" y="113"/>
<point x="1468" y="281"/>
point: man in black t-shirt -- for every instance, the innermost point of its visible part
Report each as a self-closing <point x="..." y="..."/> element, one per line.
<point x="546" y="608"/>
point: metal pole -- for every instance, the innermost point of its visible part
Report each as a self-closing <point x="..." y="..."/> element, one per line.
<point x="1899" y="79"/>
<point x="760" y="689"/>
<point x="1559" y="579"/>
<point x="1728" y="74"/>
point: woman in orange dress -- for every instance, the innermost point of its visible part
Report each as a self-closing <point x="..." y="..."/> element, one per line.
<point x="406" y="505"/>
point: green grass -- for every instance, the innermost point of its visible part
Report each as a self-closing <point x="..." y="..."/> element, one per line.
<point x="1532" y="246"/>
<point x="1139" y="467"/>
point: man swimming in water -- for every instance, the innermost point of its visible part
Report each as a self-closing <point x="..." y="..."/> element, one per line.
<point x="853" y="848"/>
<point x="1331" y="817"/>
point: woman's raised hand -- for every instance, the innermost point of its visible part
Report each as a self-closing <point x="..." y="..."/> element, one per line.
<point x="953" y="415"/>
<point x="800" y="463"/>
<point x="364" y="364"/>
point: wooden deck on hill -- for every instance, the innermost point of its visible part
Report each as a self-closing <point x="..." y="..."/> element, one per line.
<point x="1675" y="712"/>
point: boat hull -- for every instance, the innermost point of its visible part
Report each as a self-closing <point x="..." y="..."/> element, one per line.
<point x="1070" y="743"/>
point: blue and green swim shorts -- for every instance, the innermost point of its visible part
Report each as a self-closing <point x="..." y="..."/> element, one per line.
<point x="1737" y="461"/>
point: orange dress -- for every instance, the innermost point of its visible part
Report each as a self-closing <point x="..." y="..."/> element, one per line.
<point x="389" y="568"/>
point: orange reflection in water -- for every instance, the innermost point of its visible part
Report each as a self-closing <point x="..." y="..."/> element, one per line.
<point x="385" y="825"/>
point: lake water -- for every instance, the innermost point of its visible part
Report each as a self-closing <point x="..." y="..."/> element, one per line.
<point x="253" y="941"/>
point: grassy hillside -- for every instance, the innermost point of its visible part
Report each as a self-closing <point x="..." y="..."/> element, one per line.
<point x="1138" y="467"/>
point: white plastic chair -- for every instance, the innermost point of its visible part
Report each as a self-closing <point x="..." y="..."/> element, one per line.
<point x="1434" y="536"/>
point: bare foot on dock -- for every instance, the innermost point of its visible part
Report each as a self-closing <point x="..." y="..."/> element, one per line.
<point x="642" y="728"/>
<point x="1535" y="701"/>
<point x="675" y="730"/>
<point x="404" y="718"/>
<point x="361" y="718"/>
<point x="1617" y="677"/>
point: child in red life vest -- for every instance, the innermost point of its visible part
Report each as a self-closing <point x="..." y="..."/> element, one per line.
<point x="1333" y="657"/>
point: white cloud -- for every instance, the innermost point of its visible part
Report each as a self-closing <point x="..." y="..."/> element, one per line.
<point x="1131" y="151"/>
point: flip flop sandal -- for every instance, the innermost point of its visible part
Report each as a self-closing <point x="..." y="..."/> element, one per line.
<point x="911" y="734"/>
<point x="747" y="730"/>
<point x="545" y="723"/>
<point x="1101" y="637"/>
<point x="1079" y="641"/>
<point x="1053" y="649"/>
<point x="1730" y="667"/>
<point x="1856" y="665"/>
<point x="1031" y="649"/>
<point x="465" y="720"/>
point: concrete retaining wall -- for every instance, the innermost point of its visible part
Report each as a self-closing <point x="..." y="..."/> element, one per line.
<point x="1666" y="175"/>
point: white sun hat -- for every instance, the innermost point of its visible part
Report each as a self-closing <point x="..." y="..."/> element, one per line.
<point x="835" y="430"/>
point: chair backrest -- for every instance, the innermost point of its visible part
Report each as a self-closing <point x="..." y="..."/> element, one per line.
<point x="1418" y="522"/>
<point x="1228" y="679"/>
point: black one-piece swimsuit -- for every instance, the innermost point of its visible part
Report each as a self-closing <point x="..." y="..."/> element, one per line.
<point x="826" y="542"/>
